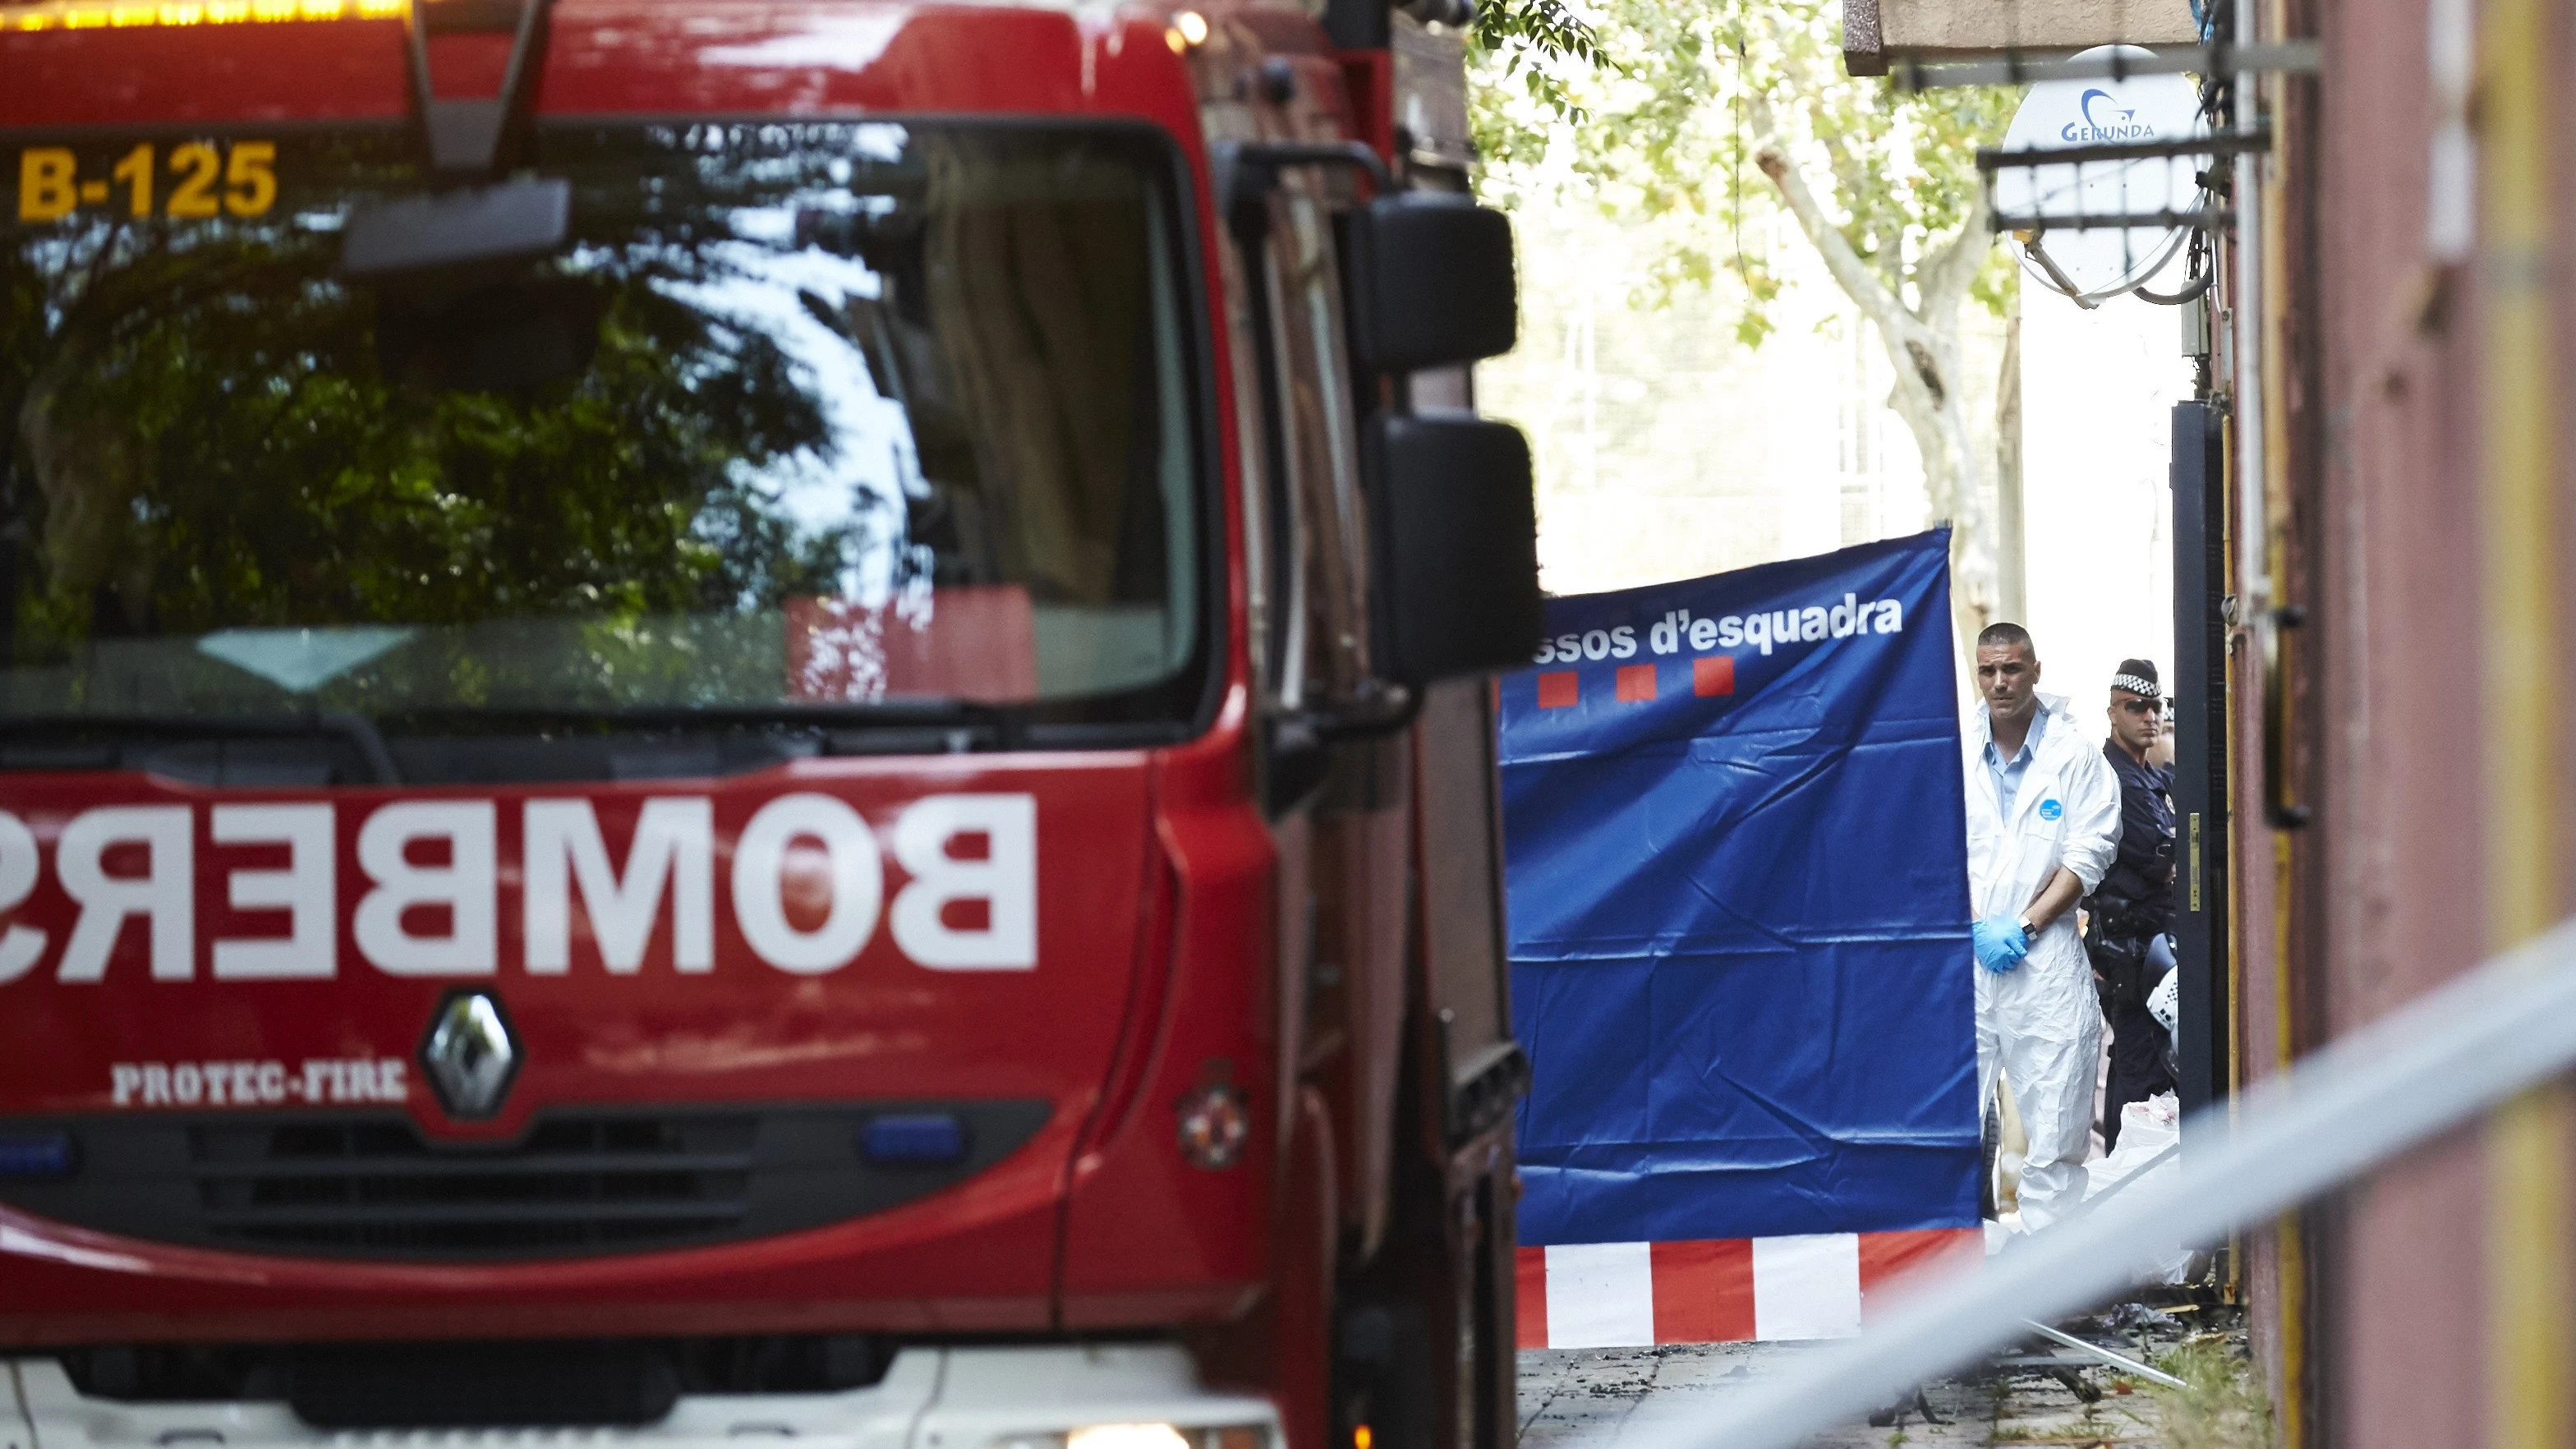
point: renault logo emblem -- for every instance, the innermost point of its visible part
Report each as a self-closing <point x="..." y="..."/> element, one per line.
<point x="469" y="1054"/>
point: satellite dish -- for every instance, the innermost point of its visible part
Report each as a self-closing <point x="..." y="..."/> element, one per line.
<point x="2096" y="263"/>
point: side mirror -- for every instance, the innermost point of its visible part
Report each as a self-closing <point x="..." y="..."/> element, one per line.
<point x="1430" y="281"/>
<point x="1455" y="519"/>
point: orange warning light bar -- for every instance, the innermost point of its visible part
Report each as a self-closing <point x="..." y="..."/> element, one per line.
<point x="91" y="15"/>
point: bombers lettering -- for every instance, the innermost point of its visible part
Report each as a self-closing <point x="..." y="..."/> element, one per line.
<point x="432" y="876"/>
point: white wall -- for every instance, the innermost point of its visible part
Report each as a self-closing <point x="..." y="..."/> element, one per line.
<point x="2098" y="390"/>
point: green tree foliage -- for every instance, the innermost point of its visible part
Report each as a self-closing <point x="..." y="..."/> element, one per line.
<point x="1687" y="121"/>
<point x="210" y="430"/>
<point x="1523" y="42"/>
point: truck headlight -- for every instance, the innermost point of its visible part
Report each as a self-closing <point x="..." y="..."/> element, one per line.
<point x="1128" y="1436"/>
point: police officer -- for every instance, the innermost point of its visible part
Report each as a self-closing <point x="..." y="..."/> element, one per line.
<point x="2134" y="903"/>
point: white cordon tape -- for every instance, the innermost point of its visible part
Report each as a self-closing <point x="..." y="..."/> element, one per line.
<point x="2457" y="1051"/>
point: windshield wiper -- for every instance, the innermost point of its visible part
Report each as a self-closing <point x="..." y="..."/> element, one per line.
<point x="953" y="726"/>
<point x="358" y="730"/>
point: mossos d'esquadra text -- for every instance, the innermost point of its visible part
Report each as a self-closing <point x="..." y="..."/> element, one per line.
<point x="1763" y="630"/>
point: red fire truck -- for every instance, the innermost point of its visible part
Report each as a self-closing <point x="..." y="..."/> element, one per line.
<point x="744" y="719"/>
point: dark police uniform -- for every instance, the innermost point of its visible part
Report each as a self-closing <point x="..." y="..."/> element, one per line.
<point x="2133" y="905"/>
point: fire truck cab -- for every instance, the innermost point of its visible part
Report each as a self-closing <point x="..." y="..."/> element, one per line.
<point x="745" y="719"/>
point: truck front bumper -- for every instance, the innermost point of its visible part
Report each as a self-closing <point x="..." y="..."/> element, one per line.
<point x="1115" y="1396"/>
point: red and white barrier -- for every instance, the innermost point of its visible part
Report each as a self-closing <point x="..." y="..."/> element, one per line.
<point x="1823" y="1285"/>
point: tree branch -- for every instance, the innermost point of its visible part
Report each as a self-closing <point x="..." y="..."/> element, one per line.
<point x="1870" y="294"/>
<point x="1851" y="179"/>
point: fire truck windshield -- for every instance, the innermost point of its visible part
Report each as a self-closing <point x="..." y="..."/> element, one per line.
<point x="801" y="418"/>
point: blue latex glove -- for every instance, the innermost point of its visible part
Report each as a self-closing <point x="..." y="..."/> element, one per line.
<point x="2000" y="943"/>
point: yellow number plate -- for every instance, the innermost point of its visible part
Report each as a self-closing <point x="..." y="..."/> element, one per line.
<point x="194" y="180"/>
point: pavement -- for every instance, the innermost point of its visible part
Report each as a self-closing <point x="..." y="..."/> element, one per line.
<point x="2031" y="1396"/>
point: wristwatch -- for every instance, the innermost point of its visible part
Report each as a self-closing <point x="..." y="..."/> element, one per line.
<point x="2028" y="931"/>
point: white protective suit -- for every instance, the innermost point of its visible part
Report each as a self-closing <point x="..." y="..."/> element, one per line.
<point x="2038" y="1021"/>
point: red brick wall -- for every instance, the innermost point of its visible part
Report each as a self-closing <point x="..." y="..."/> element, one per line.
<point x="2385" y="899"/>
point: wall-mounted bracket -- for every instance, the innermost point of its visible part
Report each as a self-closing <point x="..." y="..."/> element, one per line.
<point x="1992" y="160"/>
<point x="2283" y="57"/>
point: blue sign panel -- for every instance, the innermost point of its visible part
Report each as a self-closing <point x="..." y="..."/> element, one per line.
<point x="1739" y="906"/>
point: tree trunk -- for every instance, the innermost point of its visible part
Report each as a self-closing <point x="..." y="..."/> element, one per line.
<point x="2012" y="580"/>
<point x="1936" y="413"/>
<point x="1922" y="341"/>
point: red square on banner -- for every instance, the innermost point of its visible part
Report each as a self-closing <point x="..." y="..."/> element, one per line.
<point x="1894" y="1263"/>
<point x="1557" y="689"/>
<point x="1703" y="1291"/>
<point x="1636" y="683"/>
<point x="1713" y="675"/>
<point x="1529" y="1296"/>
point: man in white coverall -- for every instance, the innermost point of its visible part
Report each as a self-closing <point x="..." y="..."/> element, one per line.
<point x="2043" y="825"/>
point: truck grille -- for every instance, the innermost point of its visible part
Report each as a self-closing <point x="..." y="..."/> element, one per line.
<point x="581" y="1183"/>
<point x="371" y="1185"/>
